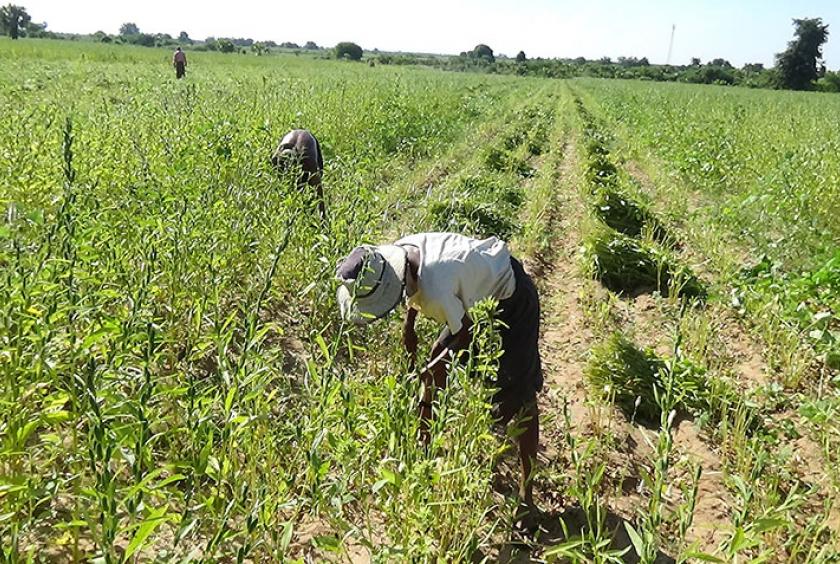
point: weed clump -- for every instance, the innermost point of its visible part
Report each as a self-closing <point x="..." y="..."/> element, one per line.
<point x="494" y="159"/>
<point x="625" y="215"/>
<point x="490" y="187"/>
<point x="627" y="265"/>
<point x="596" y="144"/>
<point x="514" y="139"/>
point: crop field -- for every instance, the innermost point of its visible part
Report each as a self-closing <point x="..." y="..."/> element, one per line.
<point x="176" y="383"/>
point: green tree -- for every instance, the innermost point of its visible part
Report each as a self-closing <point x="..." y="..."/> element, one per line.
<point x="797" y="65"/>
<point x="13" y="20"/>
<point x="129" y="29"/>
<point x="520" y="57"/>
<point x="349" y="50"/>
<point x="184" y="38"/>
<point x="483" y="52"/>
<point x="695" y="62"/>
<point x="721" y="63"/>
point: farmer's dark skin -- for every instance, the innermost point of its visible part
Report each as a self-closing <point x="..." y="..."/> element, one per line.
<point x="435" y="377"/>
<point x="302" y="147"/>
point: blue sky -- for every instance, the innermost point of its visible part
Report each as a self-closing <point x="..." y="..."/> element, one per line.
<point x="738" y="30"/>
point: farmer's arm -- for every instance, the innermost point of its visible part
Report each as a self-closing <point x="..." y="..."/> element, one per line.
<point x="434" y="374"/>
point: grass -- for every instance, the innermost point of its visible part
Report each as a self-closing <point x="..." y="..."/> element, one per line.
<point x="175" y="375"/>
<point x="704" y="170"/>
<point x="479" y="220"/>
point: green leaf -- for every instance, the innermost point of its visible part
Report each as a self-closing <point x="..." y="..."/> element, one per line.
<point x="53" y="417"/>
<point x="146" y="528"/>
<point x="229" y="399"/>
<point x="330" y="543"/>
<point x="635" y="538"/>
<point x="768" y="524"/>
<point x="739" y="541"/>
<point x="322" y="344"/>
<point x="704" y="556"/>
<point x="286" y="539"/>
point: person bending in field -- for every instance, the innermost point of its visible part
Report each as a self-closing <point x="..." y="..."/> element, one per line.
<point x="442" y="275"/>
<point x="299" y="148"/>
<point x="179" y="61"/>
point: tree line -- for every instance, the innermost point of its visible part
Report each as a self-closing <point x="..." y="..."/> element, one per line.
<point x="799" y="67"/>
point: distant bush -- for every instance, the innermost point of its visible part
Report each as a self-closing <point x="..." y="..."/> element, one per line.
<point x="225" y="45"/>
<point x="348" y="50"/>
<point x="144" y="39"/>
<point x="830" y="82"/>
<point x="482" y="52"/>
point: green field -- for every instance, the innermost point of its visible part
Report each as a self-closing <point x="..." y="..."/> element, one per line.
<point x="177" y="383"/>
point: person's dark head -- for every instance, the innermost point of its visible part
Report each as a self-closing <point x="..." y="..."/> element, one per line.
<point x="178" y="48"/>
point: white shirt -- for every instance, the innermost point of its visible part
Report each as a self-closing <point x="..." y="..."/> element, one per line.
<point x="456" y="272"/>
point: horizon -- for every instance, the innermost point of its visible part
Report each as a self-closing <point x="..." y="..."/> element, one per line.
<point x="540" y="28"/>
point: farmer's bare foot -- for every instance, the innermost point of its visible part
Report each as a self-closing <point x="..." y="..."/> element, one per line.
<point x="527" y="517"/>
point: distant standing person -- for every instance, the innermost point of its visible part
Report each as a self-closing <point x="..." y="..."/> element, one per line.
<point x="299" y="148"/>
<point x="179" y="61"/>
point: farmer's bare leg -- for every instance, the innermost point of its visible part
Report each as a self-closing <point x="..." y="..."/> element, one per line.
<point x="435" y="378"/>
<point x="322" y="205"/>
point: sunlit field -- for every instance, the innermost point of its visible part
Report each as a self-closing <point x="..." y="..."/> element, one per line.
<point x="177" y="383"/>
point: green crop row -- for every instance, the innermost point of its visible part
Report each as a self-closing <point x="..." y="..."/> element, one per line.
<point x="765" y="173"/>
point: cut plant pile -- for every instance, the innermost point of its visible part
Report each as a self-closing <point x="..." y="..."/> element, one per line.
<point x="751" y="488"/>
<point x="636" y="380"/>
<point x="628" y="266"/>
<point x="620" y="212"/>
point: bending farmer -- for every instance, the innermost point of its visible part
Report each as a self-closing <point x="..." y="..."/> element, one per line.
<point x="441" y="276"/>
